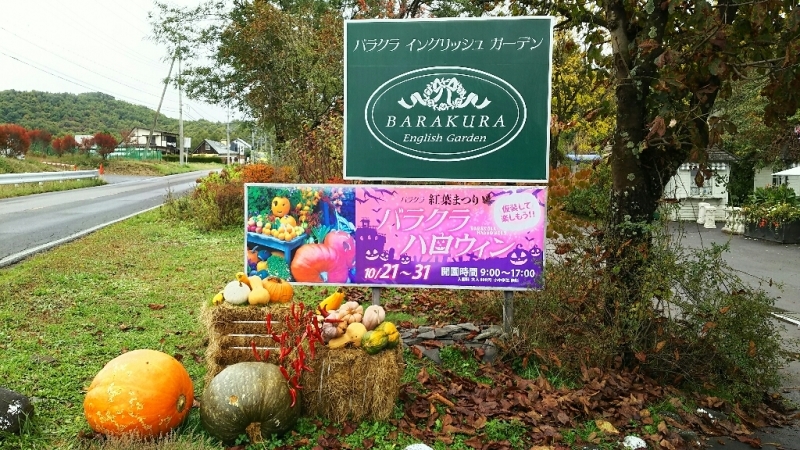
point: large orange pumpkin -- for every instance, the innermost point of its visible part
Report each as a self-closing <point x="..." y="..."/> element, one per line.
<point x="145" y="393"/>
<point x="318" y="263"/>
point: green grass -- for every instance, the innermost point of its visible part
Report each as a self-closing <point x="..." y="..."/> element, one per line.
<point x="10" y="190"/>
<point x="65" y="313"/>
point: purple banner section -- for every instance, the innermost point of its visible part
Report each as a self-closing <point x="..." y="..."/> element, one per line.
<point x="404" y="236"/>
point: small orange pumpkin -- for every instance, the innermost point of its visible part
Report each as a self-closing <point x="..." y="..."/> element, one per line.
<point x="144" y="392"/>
<point x="280" y="206"/>
<point x="280" y="291"/>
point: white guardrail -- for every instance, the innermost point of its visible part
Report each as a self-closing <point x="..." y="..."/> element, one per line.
<point x="39" y="177"/>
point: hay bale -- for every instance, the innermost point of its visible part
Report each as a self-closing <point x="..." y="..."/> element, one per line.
<point x="350" y="384"/>
<point x="231" y="329"/>
<point x="345" y="383"/>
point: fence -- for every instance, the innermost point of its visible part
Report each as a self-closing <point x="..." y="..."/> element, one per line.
<point x="136" y="153"/>
<point x="39" y="177"/>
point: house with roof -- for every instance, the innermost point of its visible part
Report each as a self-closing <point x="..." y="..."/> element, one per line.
<point x="693" y="184"/>
<point x="165" y="141"/>
<point x="784" y="153"/>
<point x="215" y="148"/>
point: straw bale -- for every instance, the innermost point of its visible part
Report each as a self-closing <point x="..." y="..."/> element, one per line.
<point x="344" y="383"/>
<point x="347" y="383"/>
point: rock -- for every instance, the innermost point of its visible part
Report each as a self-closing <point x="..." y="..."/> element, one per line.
<point x="489" y="353"/>
<point x="15" y="410"/>
<point x="711" y="415"/>
<point x="418" y="447"/>
<point x="469" y="327"/>
<point x="690" y="437"/>
<point x="634" y="443"/>
<point x="440" y="332"/>
<point x="424" y="329"/>
<point x="430" y="353"/>
<point x="427" y="335"/>
<point x="492" y="331"/>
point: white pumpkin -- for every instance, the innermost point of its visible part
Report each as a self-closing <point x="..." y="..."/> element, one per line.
<point x="236" y="292"/>
<point x="373" y="316"/>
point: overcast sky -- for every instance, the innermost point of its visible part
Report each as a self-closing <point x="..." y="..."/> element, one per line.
<point x="80" y="46"/>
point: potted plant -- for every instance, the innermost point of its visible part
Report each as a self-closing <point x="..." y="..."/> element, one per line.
<point x="773" y="213"/>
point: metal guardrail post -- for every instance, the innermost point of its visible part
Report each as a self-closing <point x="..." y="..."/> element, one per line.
<point x="38" y="177"/>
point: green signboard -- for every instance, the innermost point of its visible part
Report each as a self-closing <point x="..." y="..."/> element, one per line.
<point x="464" y="99"/>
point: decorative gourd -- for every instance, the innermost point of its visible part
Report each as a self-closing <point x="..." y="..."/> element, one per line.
<point x="245" y="394"/>
<point x="259" y="295"/>
<point x="144" y="392"/>
<point x="331" y="302"/>
<point x="15" y="410"/>
<point x="355" y="331"/>
<point x="392" y="335"/>
<point x="374" y="341"/>
<point x="351" y="312"/>
<point x="279" y="290"/>
<point x="373" y="316"/>
<point x="318" y="263"/>
<point x="236" y="292"/>
<point x="331" y="330"/>
<point x="280" y="206"/>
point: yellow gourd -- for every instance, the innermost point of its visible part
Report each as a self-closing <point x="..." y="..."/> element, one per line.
<point x="259" y="295"/>
<point x="332" y="302"/>
<point x="355" y="331"/>
<point x="392" y="335"/>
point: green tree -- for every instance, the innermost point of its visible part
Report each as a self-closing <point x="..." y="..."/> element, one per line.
<point x="281" y="66"/>
<point x="581" y="101"/>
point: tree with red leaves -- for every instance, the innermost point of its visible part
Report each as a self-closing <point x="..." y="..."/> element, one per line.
<point x="64" y="144"/>
<point x="14" y="140"/>
<point x="40" y="140"/>
<point x="105" y="142"/>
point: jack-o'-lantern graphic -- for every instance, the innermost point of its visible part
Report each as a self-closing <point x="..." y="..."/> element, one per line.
<point x="280" y="206"/>
<point x="518" y="256"/>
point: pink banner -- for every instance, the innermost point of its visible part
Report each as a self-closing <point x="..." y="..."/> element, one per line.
<point x="413" y="236"/>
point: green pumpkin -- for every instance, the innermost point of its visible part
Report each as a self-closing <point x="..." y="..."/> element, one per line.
<point x="392" y="335"/>
<point x="374" y="341"/>
<point x="248" y="393"/>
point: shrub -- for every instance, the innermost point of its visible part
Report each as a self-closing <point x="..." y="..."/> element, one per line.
<point x="218" y="200"/>
<point x="696" y="324"/>
<point x="772" y="206"/>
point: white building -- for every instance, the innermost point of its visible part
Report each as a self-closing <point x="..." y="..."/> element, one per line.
<point x="685" y="191"/>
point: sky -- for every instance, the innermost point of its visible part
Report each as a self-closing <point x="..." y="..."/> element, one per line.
<point x="78" y="46"/>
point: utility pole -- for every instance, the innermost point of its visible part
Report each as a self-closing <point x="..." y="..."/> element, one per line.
<point x="182" y="158"/>
<point x="158" y="111"/>
<point x="228" y="135"/>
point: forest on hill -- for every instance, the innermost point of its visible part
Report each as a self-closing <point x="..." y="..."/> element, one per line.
<point x="95" y="112"/>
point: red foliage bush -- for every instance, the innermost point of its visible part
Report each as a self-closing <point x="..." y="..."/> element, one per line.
<point x="266" y="173"/>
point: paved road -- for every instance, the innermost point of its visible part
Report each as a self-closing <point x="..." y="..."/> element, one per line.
<point x="759" y="260"/>
<point x="35" y="223"/>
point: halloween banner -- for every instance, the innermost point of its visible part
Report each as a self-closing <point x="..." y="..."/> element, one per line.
<point x="402" y="236"/>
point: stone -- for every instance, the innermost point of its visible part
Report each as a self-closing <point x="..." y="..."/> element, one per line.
<point x="459" y="336"/>
<point x="15" y="410"/>
<point x="469" y="327"/>
<point x="490" y="353"/>
<point x="492" y="331"/>
<point x="634" y="443"/>
<point x="430" y="353"/>
<point x="427" y="335"/>
<point x="417" y="447"/>
<point x="424" y="329"/>
<point x="440" y="332"/>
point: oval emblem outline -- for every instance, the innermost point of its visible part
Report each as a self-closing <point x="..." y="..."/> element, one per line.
<point x="485" y="77"/>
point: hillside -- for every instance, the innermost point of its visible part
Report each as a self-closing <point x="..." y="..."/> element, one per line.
<point x="96" y="112"/>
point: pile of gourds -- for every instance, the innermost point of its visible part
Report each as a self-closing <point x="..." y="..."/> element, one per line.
<point x="253" y="290"/>
<point x="348" y="323"/>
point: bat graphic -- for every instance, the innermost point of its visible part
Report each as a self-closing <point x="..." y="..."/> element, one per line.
<point x="361" y="200"/>
<point x="367" y="194"/>
<point x="376" y="210"/>
<point x="487" y="199"/>
<point x="386" y="191"/>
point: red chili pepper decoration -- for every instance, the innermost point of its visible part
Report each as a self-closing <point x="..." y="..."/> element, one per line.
<point x="332" y="320"/>
<point x="255" y="350"/>
<point x="315" y="321"/>
<point x="302" y="307"/>
<point x="311" y="350"/>
<point x="323" y="311"/>
<point x="293" y="314"/>
<point x="266" y="355"/>
<point x="296" y="382"/>
<point x="284" y="373"/>
<point x="293" y="393"/>
<point x="269" y="323"/>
